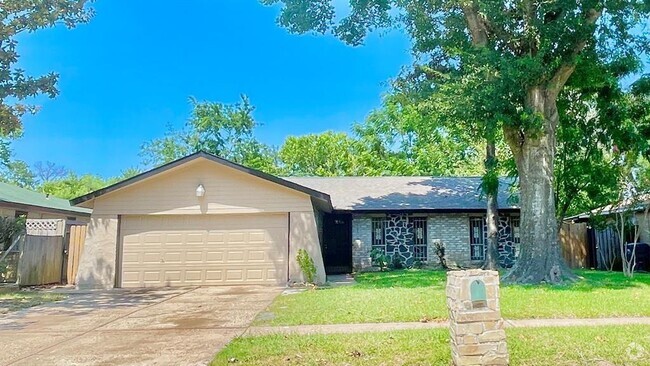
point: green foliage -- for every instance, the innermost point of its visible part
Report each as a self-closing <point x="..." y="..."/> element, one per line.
<point x="74" y="186"/>
<point x="19" y="299"/>
<point x="18" y="173"/>
<point x="168" y="148"/>
<point x="400" y="139"/>
<point x="127" y="173"/>
<point x="396" y="262"/>
<point x="225" y="130"/>
<point x="307" y="266"/>
<point x="9" y="228"/>
<point x="439" y="248"/>
<point x="20" y="16"/>
<point x="13" y="171"/>
<point x="393" y="140"/>
<point x="495" y="70"/>
<point x="412" y="295"/>
<point x="549" y="346"/>
<point x="380" y="260"/>
<point x="325" y="154"/>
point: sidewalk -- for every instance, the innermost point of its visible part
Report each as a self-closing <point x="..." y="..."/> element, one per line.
<point x="385" y="327"/>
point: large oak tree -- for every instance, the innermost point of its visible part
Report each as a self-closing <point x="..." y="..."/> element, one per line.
<point x="525" y="52"/>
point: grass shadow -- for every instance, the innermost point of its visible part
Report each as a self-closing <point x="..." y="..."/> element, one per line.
<point x="592" y="280"/>
<point x="406" y="278"/>
<point x="589" y="280"/>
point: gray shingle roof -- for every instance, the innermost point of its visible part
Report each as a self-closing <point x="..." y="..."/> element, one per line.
<point x="406" y="193"/>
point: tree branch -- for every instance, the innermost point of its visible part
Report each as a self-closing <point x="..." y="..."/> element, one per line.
<point x="565" y="70"/>
<point x="475" y="23"/>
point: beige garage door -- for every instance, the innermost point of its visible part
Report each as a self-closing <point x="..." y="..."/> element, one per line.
<point x="203" y="250"/>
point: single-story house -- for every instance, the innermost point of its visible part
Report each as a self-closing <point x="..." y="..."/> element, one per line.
<point x="203" y="220"/>
<point x="632" y="209"/>
<point x="20" y="202"/>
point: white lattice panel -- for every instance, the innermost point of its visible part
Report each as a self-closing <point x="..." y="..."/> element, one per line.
<point x="45" y="227"/>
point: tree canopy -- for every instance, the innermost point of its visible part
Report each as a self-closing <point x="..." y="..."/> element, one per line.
<point x="226" y="130"/>
<point x="505" y="64"/>
<point x="18" y="16"/>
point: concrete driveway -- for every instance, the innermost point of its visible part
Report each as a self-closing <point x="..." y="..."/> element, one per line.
<point x="184" y="326"/>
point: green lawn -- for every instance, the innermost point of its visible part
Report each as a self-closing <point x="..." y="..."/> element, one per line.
<point x="415" y="295"/>
<point x="12" y="300"/>
<point x="605" y="346"/>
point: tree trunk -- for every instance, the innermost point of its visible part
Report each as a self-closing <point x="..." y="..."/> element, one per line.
<point x="540" y="259"/>
<point x="491" y="193"/>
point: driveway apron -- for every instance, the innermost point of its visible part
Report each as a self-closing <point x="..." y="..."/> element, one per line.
<point x="171" y="326"/>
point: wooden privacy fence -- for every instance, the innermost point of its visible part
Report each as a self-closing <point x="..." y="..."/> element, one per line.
<point x="75" y="239"/>
<point x="575" y="244"/>
<point x="50" y="252"/>
<point x="41" y="255"/>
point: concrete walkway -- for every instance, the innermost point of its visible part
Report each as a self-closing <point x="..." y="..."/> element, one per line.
<point x="384" y="327"/>
<point x="172" y="326"/>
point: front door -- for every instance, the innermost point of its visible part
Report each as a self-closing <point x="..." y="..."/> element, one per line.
<point x="337" y="243"/>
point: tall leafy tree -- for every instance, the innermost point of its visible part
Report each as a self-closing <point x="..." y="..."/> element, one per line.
<point x="18" y="173"/>
<point x="326" y="154"/>
<point x="393" y="140"/>
<point x="74" y="185"/>
<point x="524" y="52"/>
<point x="601" y="121"/>
<point x="20" y="16"/>
<point x="401" y="139"/>
<point x="226" y="130"/>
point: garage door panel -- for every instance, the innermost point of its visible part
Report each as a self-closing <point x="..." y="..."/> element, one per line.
<point x="208" y="250"/>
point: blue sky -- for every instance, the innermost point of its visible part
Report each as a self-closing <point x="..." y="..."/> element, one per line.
<point x="130" y="71"/>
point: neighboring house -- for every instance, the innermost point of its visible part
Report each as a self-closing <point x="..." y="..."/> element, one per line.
<point x="602" y="235"/>
<point x="17" y="202"/>
<point x="203" y="220"/>
<point x="634" y="211"/>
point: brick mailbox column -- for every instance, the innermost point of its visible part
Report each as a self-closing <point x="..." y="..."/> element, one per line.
<point x="477" y="333"/>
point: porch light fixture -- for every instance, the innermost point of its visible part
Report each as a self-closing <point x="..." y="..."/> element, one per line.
<point x="200" y="191"/>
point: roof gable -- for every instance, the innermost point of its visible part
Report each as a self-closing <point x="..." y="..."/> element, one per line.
<point x="320" y="197"/>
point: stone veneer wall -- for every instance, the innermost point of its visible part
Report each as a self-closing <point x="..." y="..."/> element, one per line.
<point x="507" y="245"/>
<point x="478" y="337"/>
<point x="450" y="229"/>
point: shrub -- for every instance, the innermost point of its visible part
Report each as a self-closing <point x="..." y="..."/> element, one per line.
<point x="306" y="266"/>
<point x="379" y="259"/>
<point x="9" y="228"/>
<point x="440" y="252"/>
<point x="396" y="262"/>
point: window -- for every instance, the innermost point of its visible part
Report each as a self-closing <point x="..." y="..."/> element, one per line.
<point x="516" y="238"/>
<point x="378" y="235"/>
<point x="419" y="238"/>
<point x="476" y="238"/>
<point x="21" y="214"/>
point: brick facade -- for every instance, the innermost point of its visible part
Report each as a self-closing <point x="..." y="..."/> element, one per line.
<point x="453" y="231"/>
<point x="450" y="229"/>
<point x="361" y="242"/>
